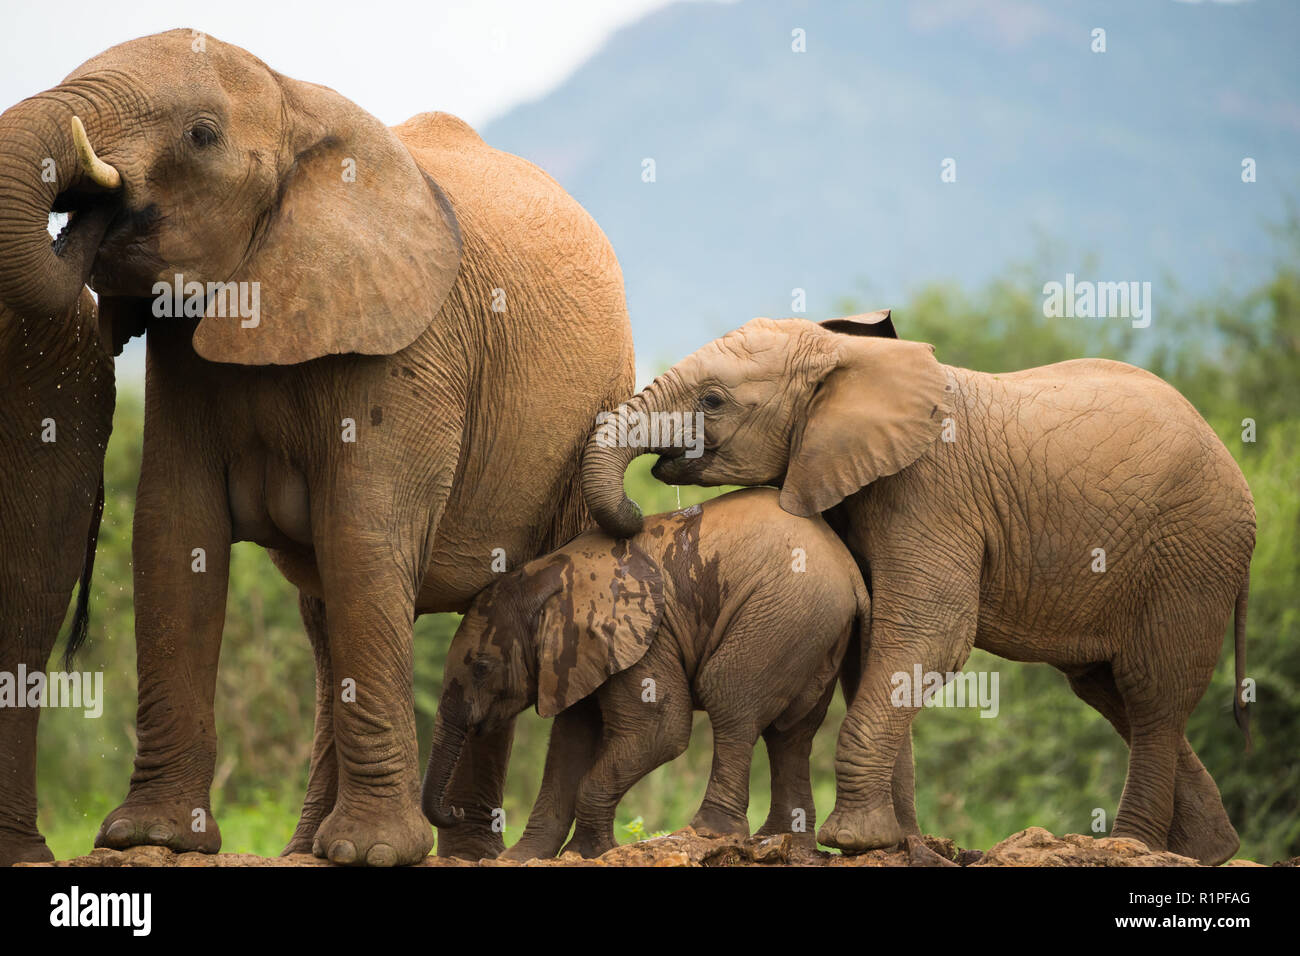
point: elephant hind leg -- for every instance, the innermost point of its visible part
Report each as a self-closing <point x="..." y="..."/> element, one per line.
<point x="1200" y="827"/>
<point x="323" y="778"/>
<point x="788" y="753"/>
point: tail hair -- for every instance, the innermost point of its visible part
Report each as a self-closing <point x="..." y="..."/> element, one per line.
<point x="81" y="615"/>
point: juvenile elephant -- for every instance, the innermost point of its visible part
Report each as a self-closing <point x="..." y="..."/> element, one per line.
<point x="357" y="339"/>
<point x="56" y="411"/>
<point x="986" y="508"/>
<point x="732" y="607"/>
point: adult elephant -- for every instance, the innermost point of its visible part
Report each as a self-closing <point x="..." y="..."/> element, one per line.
<point x="56" y="411"/>
<point x="1081" y="514"/>
<point x="388" y="350"/>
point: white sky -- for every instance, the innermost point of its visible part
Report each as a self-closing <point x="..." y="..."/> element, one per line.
<point x="474" y="58"/>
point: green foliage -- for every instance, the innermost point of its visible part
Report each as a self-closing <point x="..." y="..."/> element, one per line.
<point x="1048" y="759"/>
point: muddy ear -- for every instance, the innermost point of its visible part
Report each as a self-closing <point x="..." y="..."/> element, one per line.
<point x="356" y="254"/>
<point x="876" y="324"/>
<point x="599" y="623"/>
<point x="879" y="407"/>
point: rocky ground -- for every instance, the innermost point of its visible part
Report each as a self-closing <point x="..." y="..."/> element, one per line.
<point x="1031" y="847"/>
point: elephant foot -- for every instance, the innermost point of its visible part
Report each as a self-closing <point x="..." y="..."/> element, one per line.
<point x="714" y="822"/>
<point x="23" y="848"/>
<point x="180" y="825"/>
<point x="1200" y="827"/>
<point x="471" y="841"/>
<point x="304" y="835"/>
<point x="383" y="836"/>
<point x="538" y="844"/>
<point x="855" y="830"/>
<point x="1209" y="845"/>
<point x="589" y="845"/>
<point x="802" y="838"/>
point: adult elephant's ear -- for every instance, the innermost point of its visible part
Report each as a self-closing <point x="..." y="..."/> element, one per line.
<point x="879" y="406"/>
<point x="876" y="324"/>
<point x="356" y="253"/>
<point x="599" y="623"/>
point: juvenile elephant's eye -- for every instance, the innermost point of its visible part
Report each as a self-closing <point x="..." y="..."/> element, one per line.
<point x="201" y="135"/>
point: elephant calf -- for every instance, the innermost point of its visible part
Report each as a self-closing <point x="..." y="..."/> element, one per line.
<point x="733" y="607"/>
<point x="1081" y="515"/>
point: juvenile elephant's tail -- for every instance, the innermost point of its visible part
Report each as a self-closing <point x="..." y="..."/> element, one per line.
<point x="1239" y="706"/>
<point x="81" y="616"/>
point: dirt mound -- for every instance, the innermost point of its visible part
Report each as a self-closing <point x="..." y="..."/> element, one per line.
<point x="1031" y="847"/>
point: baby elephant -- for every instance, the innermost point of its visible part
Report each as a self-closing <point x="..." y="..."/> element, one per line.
<point x="733" y="607"/>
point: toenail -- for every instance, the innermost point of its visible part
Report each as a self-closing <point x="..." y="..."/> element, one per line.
<point x="119" y="830"/>
<point x="342" y="851"/>
<point x="381" y="854"/>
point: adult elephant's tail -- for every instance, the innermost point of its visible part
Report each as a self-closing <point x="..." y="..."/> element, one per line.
<point x="1239" y="706"/>
<point x="81" y="616"/>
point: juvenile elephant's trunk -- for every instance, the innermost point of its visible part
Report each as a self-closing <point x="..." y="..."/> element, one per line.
<point x="448" y="740"/>
<point x="40" y="161"/>
<point x="610" y="449"/>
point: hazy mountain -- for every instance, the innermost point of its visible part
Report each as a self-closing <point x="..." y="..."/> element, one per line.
<point x="821" y="170"/>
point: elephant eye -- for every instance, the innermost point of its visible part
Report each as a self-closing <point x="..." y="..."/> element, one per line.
<point x="711" y="401"/>
<point x="201" y="135"/>
<point x="481" y="668"/>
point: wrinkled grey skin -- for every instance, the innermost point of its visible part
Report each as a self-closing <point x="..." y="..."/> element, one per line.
<point x="53" y="367"/>
<point x="704" y="609"/>
<point x="981" y="505"/>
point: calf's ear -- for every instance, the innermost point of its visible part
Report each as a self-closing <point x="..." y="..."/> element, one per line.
<point x="879" y="406"/>
<point x="599" y="622"/>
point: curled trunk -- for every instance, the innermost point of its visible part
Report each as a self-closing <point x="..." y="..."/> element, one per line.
<point x="40" y="171"/>
<point x="610" y="449"/>
<point x="448" y="740"/>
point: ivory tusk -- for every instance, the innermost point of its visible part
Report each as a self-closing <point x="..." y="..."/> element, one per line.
<point x="99" y="171"/>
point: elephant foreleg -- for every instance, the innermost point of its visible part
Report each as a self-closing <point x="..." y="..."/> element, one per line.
<point x="377" y="819"/>
<point x="322" y="779"/>
<point x="181" y="557"/>
<point x="575" y="734"/>
<point x="935" y="636"/>
<point x="27" y="636"/>
<point x="478" y="787"/>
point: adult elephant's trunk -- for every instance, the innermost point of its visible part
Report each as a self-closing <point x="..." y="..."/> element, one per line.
<point x="47" y="163"/>
<point x="448" y="740"/>
<point x="610" y="449"/>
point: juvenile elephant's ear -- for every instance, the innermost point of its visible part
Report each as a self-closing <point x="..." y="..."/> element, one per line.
<point x="599" y="623"/>
<point x="879" y="407"/>
<point x="356" y="254"/>
<point x="877" y="324"/>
